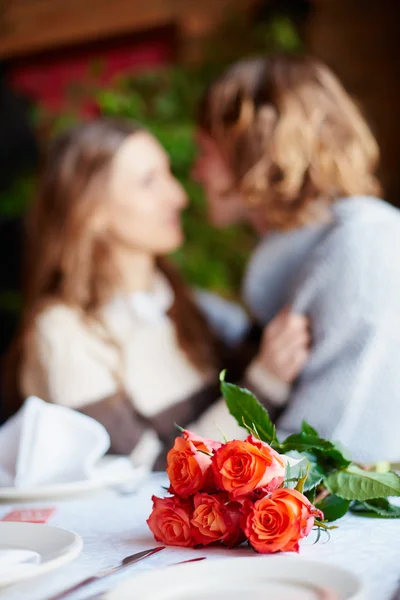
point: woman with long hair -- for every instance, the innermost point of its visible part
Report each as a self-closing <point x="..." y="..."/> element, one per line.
<point x="284" y="147"/>
<point x="108" y="326"/>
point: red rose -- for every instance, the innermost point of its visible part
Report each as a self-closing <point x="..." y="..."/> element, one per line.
<point x="170" y="521"/>
<point x="244" y="467"/>
<point x="215" y="519"/>
<point x="277" y="522"/>
<point x="188" y="469"/>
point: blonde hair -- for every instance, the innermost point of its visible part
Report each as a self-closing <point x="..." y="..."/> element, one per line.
<point x="293" y="137"/>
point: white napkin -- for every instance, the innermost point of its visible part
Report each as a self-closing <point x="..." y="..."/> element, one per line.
<point x="14" y="560"/>
<point x="46" y="444"/>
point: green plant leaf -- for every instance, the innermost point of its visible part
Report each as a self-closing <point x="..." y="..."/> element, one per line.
<point x="288" y="476"/>
<point x="310" y="495"/>
<point x="353" y="483"/>
<point x="314" y="477"/>
<point x="251" y="430"/>
<point x="376" y="507"/>
<point x="301" y="482"/>
<point x="323" y="449"/>
<point x="245" y="408"/>
<point x="296" y="466"/>
<point x="307" y="429"/>
<point x="333" y="507"/>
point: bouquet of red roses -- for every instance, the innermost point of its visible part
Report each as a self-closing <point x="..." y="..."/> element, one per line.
<point x="228" y="493"/>
<point x="254" y="490"/>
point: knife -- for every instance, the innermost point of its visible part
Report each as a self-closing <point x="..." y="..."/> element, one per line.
<point x="128" y="560"/>
<point x="100" y="595"/>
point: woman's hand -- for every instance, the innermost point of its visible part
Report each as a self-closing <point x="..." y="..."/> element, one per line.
<point x="285" y="345"/>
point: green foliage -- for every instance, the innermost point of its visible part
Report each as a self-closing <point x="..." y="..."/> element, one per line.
<point x="13" y="201"/>
<point x="247" y="411"/>
<point x="315" y="475"/>
<point x="333" y="507"/>
<point x="377" y="507"/>
<point x="302" y="480"/>
<point x="325" y="452"/>
<point x="353" y="483"/>
<point x="306" y="429"/>
<point x="344" y="485"/>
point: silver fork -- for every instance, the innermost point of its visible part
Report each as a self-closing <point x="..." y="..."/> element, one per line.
<point x="128" y="560"/>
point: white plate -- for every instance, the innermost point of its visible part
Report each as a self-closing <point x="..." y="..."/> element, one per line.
<point x="258" y="578"/>
<point x="54" y="546"/>
<point x="111" y="470"/>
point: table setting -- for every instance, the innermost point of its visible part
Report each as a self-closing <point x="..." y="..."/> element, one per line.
<point x="198" y="530"/>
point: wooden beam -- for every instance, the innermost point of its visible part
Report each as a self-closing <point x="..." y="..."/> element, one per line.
<point x="28" y="26"/>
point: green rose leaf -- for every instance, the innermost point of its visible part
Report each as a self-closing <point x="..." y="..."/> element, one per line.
<point x="377" y="507"/>
<point x="323" y="449"/>
<point x="246" y="409"/>
<point x="353" y="483"/>
<point x="315" y="474"/>
<point x="333" y="507"/>
<point x="314" y="477"/>
<point x="307" y="429"/>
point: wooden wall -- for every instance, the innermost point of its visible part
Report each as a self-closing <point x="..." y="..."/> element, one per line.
<point x="29" y="26"/>
<point x="360" y="40"/>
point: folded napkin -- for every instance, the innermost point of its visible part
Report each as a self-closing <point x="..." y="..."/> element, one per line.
<point x="46" y="444"/>
<point x="13" y="560"/>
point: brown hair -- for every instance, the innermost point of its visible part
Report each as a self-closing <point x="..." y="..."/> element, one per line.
<point x="68" y="262"/>
<point x="292" y="136"/>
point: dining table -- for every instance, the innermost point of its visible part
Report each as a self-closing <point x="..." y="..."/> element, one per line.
<point x="112" y="524"/>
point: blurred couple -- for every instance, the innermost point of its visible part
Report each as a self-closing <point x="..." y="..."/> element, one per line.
<point x="109" y="327"/>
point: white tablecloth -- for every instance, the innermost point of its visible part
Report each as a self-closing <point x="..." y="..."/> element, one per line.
<point x="113" y="526"/>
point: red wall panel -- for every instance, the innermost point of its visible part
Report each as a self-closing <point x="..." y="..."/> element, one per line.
<point x="50" y="78"/>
